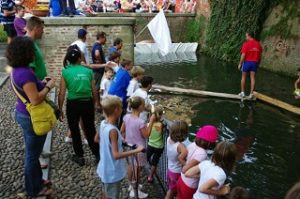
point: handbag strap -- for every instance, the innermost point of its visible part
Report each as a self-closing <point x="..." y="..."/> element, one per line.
<point x="16" y="91"/>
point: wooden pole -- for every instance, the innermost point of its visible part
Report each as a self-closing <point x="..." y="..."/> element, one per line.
<point x="277" y="103"/>
<point x="199" y="92"/>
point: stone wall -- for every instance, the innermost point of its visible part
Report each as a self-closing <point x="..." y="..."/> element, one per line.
<point x="59" y="33"/>
<point x="281" y="53"/>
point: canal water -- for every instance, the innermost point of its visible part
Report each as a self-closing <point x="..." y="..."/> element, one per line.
<point x="267" y="138"/>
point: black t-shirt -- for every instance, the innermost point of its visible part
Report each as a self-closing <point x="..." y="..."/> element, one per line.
<point x="98" y="46"/>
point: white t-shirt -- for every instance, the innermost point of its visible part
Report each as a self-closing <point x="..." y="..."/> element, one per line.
<point x="105" y="85"/>
<point x="196" y="153"/>
<point x="83" y="49"/>
<point x="172" y="154"/>
<point x="132" y="87"/>
<point x="208" y="170"/>
<point x="143" y="94"/>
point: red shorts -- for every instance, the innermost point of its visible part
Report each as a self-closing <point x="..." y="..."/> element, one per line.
<point x="172" y="180"/>
<point x="183" y="191"/>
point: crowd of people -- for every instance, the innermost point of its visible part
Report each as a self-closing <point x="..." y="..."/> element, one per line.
<point x="118" y="90"/>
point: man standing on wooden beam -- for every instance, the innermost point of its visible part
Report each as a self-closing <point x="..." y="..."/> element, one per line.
<point x="249" y="62"/>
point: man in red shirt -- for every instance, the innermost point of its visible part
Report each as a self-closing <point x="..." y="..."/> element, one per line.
<point x="249" y="62"/>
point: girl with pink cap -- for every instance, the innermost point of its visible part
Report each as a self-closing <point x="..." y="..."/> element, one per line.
<point x="206" y="138"/>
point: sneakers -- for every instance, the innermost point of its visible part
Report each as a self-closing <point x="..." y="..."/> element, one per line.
<point x="68" y="140"/>
<point x="131" y="188"/>
<point x="79" y="160"/>
<point x="251" y="96"/>
<point x="241" y="94"/>
<point x="140" y="194"/>
<point x="85" y="141"/>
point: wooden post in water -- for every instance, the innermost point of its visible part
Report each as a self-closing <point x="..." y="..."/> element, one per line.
<point x="277" y="103"/>
<point x="199" y="92"/>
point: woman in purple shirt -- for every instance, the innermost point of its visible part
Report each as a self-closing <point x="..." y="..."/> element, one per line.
<point x="20" y="52"/>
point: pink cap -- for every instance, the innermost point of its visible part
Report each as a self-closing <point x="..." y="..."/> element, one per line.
<point x="208" y="133"/>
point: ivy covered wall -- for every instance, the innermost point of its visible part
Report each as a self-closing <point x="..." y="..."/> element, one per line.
<point x="271" y="20"/>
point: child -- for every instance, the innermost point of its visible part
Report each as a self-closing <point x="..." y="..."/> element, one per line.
<point x="106" y="81"/>
<point x="205" y="138"/>
<point x="156" y="143"/>
<point x="176" y="153"/>
<point x="239" y="193"/>
<point x="20" y="22"/>
<point x="212" y="172"/>
<point x="112" y="166"/>
<point x="121" y="81"/>
<point x="137" y="73"/>
<point x="115" y="58"/>
<point x="135" y="131"/>
<point x="78" y="80"/>
<point x="297" y="90"/>
<point x="146" y="83"/>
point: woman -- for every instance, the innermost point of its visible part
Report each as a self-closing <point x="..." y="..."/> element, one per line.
<point x="78" y="80"/>
<point x="20" y="53"/>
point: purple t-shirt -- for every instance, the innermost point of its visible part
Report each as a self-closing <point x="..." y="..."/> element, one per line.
<point x="21" y="76"/>
<point x="132" y="129"/>
<point x="20" y="24"/>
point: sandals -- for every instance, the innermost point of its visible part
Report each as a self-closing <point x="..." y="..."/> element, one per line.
<point x="45" y="192"/>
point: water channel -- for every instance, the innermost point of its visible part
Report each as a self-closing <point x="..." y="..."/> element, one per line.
<point x="268" y="139"/>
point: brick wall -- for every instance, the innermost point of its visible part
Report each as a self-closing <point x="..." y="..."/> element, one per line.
<point x="59" y="33"/>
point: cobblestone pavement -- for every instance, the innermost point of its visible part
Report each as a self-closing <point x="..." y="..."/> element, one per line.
<point x="69" y="179"/>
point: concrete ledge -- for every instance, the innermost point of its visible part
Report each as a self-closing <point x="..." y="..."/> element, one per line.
<point x="112" y="14"/>
<point x="65" y="21"/>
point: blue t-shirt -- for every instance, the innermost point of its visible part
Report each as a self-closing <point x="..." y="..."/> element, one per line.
<point x="119" y="85"/>
<point x="56" y="9"/>
<point x="9" y="6"/>
<point x="98" y="46"/>
<point x="109" y="169"/>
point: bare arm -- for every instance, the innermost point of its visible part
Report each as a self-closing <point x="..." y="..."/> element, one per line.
<point x="36" y="97"/>
<point x="7" y="13"/>
<point x="97" y="138"/>
<point x="113" y="136"/>
<point x="182" y="151"/>
<point x="207" y="188"/>
<point x="193" y="172"/>
<point x="146" y="131"/>
<point x="189" y="165"/>
<point x="61" y="94"/>
<point x="242" y="59"/>
<point x="296" y="83"/>
<point x="123" y="130"/>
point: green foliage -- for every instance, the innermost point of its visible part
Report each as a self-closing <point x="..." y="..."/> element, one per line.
<point x="3" y="36"/>
<point x="290" y="10"/>
<point x="230" y="20"/>
<point x="194" y="29"/>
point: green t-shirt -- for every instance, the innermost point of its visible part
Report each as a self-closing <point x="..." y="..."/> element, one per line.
<point x="38" y="63"/>
<point x="78" y="81"/>
<point x="156" y="136"/>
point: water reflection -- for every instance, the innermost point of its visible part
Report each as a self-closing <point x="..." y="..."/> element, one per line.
<point x="268" y="138"/>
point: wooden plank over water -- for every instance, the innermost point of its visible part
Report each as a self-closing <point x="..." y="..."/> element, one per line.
<point x="198" y="92"/>
<point x="277" y="103"/>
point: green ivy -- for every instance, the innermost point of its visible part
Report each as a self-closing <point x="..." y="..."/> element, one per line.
<point x="3" y="36"/>
<point x="231" y="19"/>
<point x="195" y="29"/>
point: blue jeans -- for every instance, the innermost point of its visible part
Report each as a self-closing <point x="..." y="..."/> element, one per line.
<point x="33" y="148"/>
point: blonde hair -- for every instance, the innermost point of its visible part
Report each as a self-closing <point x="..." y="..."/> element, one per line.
<point x="110" y="103"/>
<point x="179" y="131"/>
<point x="158" y="111"/>
<point x="135" y="102"/>
<point x="137" y="70"/>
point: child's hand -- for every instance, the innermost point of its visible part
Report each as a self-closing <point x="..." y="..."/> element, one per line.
<point x="225" y="189"/>
<point x="152" y="118"/>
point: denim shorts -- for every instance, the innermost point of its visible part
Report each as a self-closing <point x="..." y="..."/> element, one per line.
<point x="112" y="190"/>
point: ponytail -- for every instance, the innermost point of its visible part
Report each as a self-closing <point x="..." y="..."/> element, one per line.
<point x="72" y="55"/>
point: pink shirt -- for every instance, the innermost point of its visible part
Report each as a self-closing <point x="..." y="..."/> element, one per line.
<point x="133" y="126"/>
<point x="196" y="153"/>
